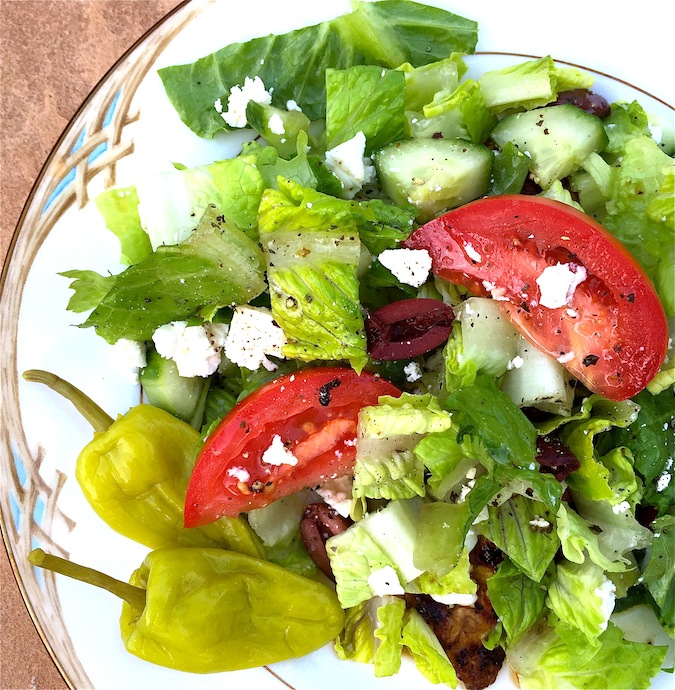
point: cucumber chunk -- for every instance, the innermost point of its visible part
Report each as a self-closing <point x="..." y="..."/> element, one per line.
<point x="164" y="387"/>
<point x="557" y="139"/>
<point x="434" y="175"/>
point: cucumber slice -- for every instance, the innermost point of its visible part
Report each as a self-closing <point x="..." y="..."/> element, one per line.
<point x="434" y="175"/>
<point x="163" y="387"/>
<point x="557" y="139"/>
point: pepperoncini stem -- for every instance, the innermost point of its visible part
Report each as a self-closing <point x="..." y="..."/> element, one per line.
<point x="134" y="596"/>
<point x="97" y="417"/>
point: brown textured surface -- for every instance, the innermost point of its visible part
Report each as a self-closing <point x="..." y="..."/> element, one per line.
<point x="52" y="53"/>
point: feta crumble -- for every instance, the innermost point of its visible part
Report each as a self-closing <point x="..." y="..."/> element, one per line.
<point x="196" y="350"/>
<point x="558" y="283"/>
<point x="130" y="355"/>
<point x="277" y="453"/>
<point x="607" y="594"/>
<point x="663" y="481"/>
<point x="410" y="266"/>
<point x="252" y="336"/>
<point x="472" y="253"/>
<point x="621" y="508"/>
<point x="239" y="473"/>
<point x="454" y="599"/>
<point x="412" y="371"/>
<point x="385" y="581"/>
<point x="337" y="493"/>
<point x="515" y="363"/>
<point x="276" y="124"/>
<point x="252" y="90"/>
<point x="348" y="163"/>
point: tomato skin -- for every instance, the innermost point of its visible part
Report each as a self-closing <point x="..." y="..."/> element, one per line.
<point x="612" y="334"/>
<point x="314" y="412"/>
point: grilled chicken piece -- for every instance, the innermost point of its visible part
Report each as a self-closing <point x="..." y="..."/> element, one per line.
<point x="461" y="629"/>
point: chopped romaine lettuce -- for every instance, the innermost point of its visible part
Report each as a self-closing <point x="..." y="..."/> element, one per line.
<point x="180" y="282"/>
<point x="365" y="99"/>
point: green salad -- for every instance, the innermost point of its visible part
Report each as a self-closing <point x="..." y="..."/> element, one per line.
<point x="406" y="363"/>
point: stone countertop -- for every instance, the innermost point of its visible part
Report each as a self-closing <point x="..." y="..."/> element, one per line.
<point x="52" y="53"/>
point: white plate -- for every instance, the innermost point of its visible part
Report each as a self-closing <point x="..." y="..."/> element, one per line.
<point x="127" y="128"/>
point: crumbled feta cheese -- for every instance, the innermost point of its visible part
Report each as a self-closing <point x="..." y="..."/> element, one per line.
<point x="663" y="481"/>
<point x="218" y="105"/>
<point x="196" y="350"/>
<point x="454" y="599"/>
<point x="607" y="593"/>
<point x="292" y="105"/>
<point x="410" y="266"/>
<point x="337" y="493"/>
<point x="539" y="523"/>
<point x="131" y="356"/>
<point x="385" y="581"/>
<point x="558" y="283"/>
<point x="412" y="371"/>
<point x="566" y="357"/>
<point x="515" y="363"/>
<point x="621" y="508"/>
<point x="276" y="124"/>
<point x="472" y="253"/>
<point x="252" y="90"/>
<point x="277" y="453"/>
<point x="239" y="473"/>
<point x="347" y="162"/>
<point x="253" y="334"/>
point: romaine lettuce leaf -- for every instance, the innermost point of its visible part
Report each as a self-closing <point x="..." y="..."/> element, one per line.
<point x="516" y="599"/>
<point x="312" y="262"/>
<point x="373" y="634"/>
<point x="423" y="83"/>
<point x="610" y="476"/>
<point x="179" y="282"/>
<point x="651" y="440"/>
<point x="483" y="410"/>
<point x="443" y="528"/>
<point x="548" y="657"/>
<point x="525" y="530"/>
<point x="89" y="288"/>
<point x="509" y="170"/>
<point x="659" y="575"/>
<point x="119" y="208"/>
<point x="367" y="99"/>
<point x="396" y="475"/>
<point x="384" y="538"/>
<point x="529" y="84"/>
<point x="169" y="203"/>
<point x="407" y="414"/>
<point x="620" y="533"/>
<point x="578" y="541"/>
<point x="427" y="652"/>
<point x="581" y="582"/>
<point x="386" y="33"/>
<point x="457" y="114"/>
<point x="455" y="582"/>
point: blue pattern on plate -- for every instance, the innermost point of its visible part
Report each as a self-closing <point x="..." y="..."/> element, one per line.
<point x="21" y="473"/>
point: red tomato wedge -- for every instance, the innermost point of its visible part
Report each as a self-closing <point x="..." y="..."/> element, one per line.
<point x="307" y="419"/>
<point x="600" y="317"/>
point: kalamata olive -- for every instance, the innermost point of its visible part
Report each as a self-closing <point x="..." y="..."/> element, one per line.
<point x="408" y="328"/>
<point x="319" y="523"/>
<point x="592" y="103"/>
<point x="556" y="458"/>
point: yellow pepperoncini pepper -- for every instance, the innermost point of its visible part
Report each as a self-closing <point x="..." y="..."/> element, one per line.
<point x="207" y="610"/>
<point x="135" y="471"/>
